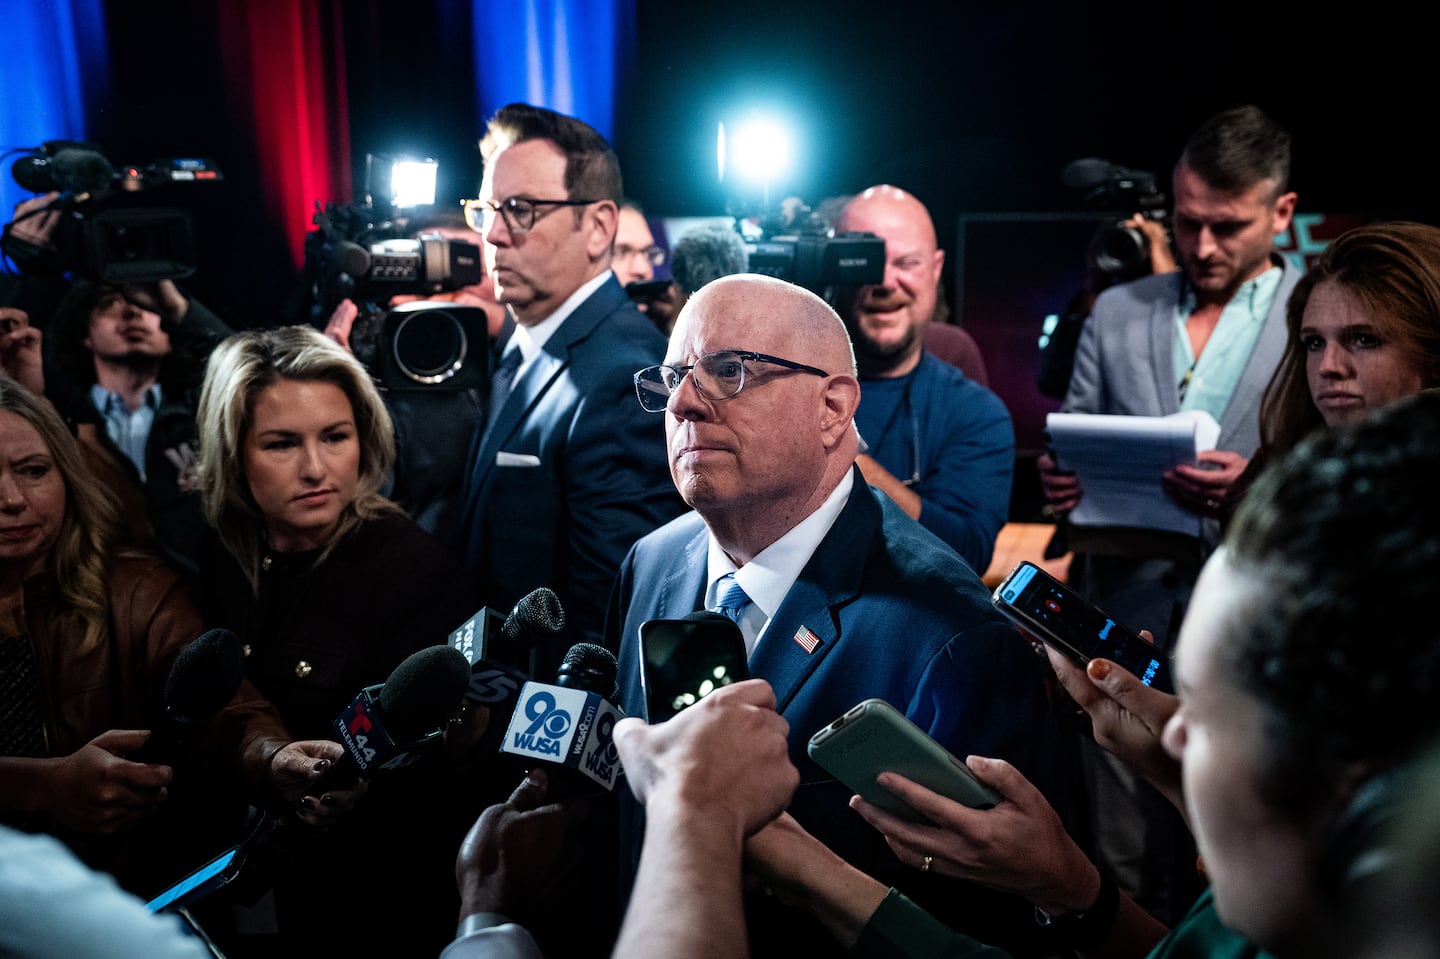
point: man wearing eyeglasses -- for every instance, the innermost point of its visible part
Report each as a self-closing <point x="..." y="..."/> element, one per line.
<point x="940" y="445"/>
<point x="566" y="471"/>
<point x="841" y="596"/>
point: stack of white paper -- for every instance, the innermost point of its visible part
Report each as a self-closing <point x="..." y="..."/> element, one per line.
<point x="1119" y="459"/>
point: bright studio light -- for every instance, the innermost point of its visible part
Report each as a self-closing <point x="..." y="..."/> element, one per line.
<point x="412" y="182"/>
<point x="760" y="150"/>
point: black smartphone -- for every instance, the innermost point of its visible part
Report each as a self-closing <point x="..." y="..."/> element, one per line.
<point x="1063" y="619"/>
<point x="685" y="660"/>
<point x="874" y="737"/>
<point x="644" y="291"/>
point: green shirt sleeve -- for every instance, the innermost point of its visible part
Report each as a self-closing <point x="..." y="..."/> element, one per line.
<point x="899" y="929"/>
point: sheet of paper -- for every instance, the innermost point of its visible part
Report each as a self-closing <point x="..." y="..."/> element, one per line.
<point x="1119" y="459"/>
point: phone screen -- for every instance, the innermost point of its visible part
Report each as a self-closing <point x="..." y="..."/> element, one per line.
<point x="1061" y="617"/>
<point x="685" y="660"/>
<point x="193" y="884"/>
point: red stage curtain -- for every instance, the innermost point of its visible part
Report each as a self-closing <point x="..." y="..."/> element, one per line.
<point x="285" y="67"/>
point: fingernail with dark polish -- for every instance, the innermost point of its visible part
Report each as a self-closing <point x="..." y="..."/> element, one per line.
<point x="327" y="800"/>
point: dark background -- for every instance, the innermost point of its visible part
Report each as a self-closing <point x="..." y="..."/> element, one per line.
<point x="975" y="108"/>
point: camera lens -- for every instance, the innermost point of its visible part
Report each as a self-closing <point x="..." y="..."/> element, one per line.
<point x="430" y="346"/>
<point x="1121" y="252"/>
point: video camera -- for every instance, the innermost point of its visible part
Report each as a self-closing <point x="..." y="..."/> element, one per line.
<point x="1117" y="253"/>
<point x="364" y="252"/>
<point x="796" y="246"/>
<point x="106" y="232"/>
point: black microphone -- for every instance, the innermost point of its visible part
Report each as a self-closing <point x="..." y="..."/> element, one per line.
<point x="393" y="725"/>
<point x="70" y="169"/>
<point x="203" y="679"/>
<point x="707" y="253"/>
<point x="1087" y="173"/>
<point x="501" y="650"/>
<point x="570" y="724"/>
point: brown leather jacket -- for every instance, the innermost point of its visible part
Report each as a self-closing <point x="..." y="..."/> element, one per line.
<point x="121" y="683"/>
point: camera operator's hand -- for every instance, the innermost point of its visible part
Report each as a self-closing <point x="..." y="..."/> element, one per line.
<point x="20" y="350"/>
<point x="35" y="220"/>
<point x="1161" y="259"/>
<point x="1062" y="487"/>
<point x="162" y="298"/>
<point x="342" y="320"/>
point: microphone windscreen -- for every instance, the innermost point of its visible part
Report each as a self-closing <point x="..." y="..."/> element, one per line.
<point x="536" y="618"/>
<point x="205" y="675"/>
<point x="82" y="171"/>
<point x="1087" y="173"/>
<point x="588" y="667"/>
<point x="349" y="258"/>
<point x="423" y="691"/>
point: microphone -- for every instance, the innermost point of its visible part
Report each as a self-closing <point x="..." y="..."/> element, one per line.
<point x="394" y="724"/>
<point x="707" y="253"/>
<point x="203" y="679"/>
<point x="501" y="650"/>
<point x="70" y="169"/>
<point x="571" y="724"/>
<point x="1087" y="173"/>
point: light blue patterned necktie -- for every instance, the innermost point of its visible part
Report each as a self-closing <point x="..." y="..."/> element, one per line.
<point x="733" y="598"/>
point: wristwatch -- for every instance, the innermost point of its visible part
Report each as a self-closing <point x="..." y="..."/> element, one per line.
<point x="1088" y="927"/>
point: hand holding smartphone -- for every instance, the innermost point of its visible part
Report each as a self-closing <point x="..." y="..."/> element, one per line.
<point x="874" y="737"/>
<point x="1056" y="614"/>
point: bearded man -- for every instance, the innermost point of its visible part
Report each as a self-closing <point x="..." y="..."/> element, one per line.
<point x="940" y="445"/>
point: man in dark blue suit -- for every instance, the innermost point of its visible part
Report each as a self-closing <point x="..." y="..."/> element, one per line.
<point x="567" y="471"/>
<point x="844" y="596"/>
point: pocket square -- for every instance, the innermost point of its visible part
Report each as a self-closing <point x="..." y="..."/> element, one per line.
<point x="503" y="458"/>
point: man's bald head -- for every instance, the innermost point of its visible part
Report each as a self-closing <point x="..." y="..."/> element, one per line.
<point x="756" y="463"/>
<point x="789" y="317"/>
<point x="888" y="321"/>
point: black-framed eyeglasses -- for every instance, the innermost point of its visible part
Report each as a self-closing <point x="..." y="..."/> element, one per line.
<point x="716" y="376"/>
<point x="520" y="212"/>
<point x="654" y="255"/>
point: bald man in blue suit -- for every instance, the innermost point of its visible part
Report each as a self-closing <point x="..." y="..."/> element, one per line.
<point x="848" y="598"/>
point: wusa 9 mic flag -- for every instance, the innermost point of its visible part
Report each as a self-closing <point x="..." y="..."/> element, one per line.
<point x="569" y="727"/>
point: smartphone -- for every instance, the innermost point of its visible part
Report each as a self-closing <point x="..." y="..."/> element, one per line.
<point x="200" y="883"/>
<point x="1042" y="605"/>
<point x="644" y="291"/>
<point x="874" y="737"/>
<point x="685" y="660"/>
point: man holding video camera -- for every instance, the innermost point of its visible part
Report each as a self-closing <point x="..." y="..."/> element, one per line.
<point x="567" y="472"/>
<point x="940" y="444"/>
<point x="1205" y="338"/>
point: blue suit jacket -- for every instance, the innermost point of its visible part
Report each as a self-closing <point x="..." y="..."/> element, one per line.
<point x="899" y="616"/>
<point x="573" y="471"/>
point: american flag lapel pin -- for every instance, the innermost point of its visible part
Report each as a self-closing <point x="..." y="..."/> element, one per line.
<point x="806" y="639"/>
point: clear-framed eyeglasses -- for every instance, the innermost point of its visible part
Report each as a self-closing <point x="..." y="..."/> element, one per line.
<point x="715" y="376"/>
<point x="654" y="255"/>
<point x="520" y="212"/>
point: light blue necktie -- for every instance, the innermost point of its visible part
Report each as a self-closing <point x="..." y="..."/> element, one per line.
<point x="733" y="599"/>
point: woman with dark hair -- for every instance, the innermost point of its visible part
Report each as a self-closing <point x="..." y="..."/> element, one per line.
<point x="330" y="586"/>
